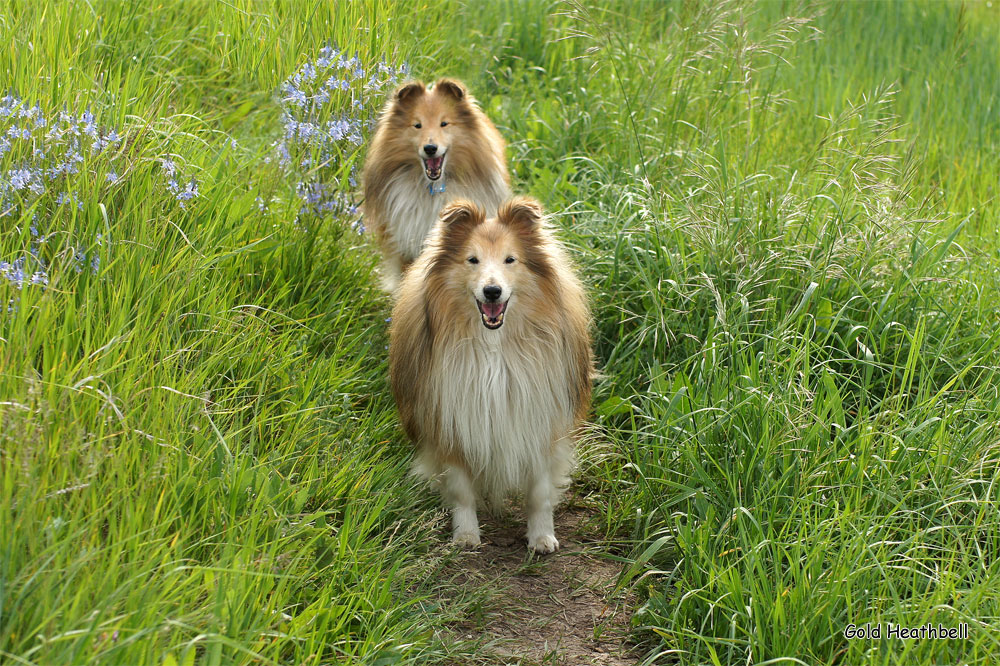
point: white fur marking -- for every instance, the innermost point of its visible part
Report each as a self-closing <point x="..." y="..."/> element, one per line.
<point x="412" y="210"/>
<point x="459" y="490"/>
<point x="504" y="403"/>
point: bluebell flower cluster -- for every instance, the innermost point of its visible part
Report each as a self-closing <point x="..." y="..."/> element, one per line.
<point x="38" y="150"/>
<point x="14" y="272"/>
<point x="31" y="267"/>
<point x="28" y="269"/>
<point x="181" y="192"/>
<point x="329" y="106"/>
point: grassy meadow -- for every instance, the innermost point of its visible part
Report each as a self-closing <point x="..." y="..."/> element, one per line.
<point x="786" y="215"/>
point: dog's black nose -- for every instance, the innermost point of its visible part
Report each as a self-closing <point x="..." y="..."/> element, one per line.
<point x="492" y="293"/>
<point x="430" y="149"/>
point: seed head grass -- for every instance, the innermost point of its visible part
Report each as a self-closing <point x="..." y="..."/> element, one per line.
<point x="786" y="219"/>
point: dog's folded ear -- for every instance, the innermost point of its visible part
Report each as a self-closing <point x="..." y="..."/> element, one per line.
<point x="409" y="91"/>
<point x="461" y="213"/>
<point x="458" y="219"/>
<point x="452" y="88"/>
<point x="521" y="212"/>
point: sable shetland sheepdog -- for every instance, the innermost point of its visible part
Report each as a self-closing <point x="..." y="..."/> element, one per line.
<point x="431" y="146"/>
<point x="490" y="363"/>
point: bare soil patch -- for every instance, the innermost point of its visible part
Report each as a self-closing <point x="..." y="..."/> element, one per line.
<point x="552" y="609"/>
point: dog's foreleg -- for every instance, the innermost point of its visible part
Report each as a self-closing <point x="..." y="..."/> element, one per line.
<point x="460" y="492"/>
<point x="541" y="495"/>
<point x="391" y="273"/>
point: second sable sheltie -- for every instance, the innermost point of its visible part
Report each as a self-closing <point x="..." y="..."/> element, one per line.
<point x="490" y="363"/>
<point x="431" y="146"/>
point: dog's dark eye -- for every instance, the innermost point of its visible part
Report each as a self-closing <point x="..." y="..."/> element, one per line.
<point x="444" y="123"/>
<point x="418" y="125"/>
<point x="509" y="260"/>
<point x="473" y="260"/>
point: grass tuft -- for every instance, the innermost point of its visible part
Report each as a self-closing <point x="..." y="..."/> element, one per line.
<point x="785" y="214"/>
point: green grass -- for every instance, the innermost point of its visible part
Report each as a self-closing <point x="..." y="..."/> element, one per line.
<point x="786" y="216"/>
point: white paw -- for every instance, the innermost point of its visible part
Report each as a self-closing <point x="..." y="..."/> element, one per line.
<point x="466" y="539"/>
<point x="546" y="543"/>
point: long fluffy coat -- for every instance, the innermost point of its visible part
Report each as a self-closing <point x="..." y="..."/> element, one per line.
<point x="493" y="411"/>
<point x="401" y="202"/>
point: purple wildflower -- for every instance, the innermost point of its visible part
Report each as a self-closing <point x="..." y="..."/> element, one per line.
<point x="19" y="178"/>
<point x="8" y="105"/>
<point x="13" y="272"/>
<point x="16" y="274"/>
<point x="87" y="124"/>
<point x="323" y="118"/>
<point x="189" y="192"/>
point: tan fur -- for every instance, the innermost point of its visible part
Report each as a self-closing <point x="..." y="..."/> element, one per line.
<point x="492" y="411"/>
<point x="398" y="208"/>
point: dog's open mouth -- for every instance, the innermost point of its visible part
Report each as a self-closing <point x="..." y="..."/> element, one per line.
<point x="433" y="166"/>
<point x="492" y="314"/>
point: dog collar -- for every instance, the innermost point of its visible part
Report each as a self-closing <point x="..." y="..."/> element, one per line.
<point x="433" y="191"/>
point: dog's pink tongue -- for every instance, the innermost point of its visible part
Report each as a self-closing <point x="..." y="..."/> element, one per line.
<point x="434" y="163"/>
<point x="493" y="310"/>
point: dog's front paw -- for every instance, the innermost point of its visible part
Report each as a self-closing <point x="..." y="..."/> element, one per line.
<point x="465" y="539"/>
<point x="545" y="543"/>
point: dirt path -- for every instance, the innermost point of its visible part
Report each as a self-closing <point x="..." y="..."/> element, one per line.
<point x="555" y="609"/>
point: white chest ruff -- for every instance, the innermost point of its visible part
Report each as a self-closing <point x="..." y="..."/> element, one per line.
<point x="412" y="210"/>
<point x="502" y="406"/>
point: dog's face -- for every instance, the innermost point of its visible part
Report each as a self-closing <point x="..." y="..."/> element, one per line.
<point x="493" y="268"/>
<point x="430" y="120"/>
